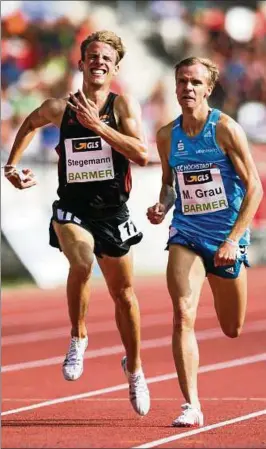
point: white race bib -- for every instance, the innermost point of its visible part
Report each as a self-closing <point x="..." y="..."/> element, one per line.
<point x="127" y="230"/>
<point x="202" y="191"/>
<point x="88" y="159"/>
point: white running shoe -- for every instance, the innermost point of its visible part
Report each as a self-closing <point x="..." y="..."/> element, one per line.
<point x="73" y="364"/>
<point x="138" y="391"/>
<point x="190" y="417"/>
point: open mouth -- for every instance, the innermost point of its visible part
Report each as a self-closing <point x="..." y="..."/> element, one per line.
<point x="98" y="72"/>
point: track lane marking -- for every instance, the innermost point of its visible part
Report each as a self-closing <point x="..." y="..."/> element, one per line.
<point x="204" y="369"/>
<point x="190" y="433"/>
<point x="206" y="334"/>
<point x="177" y="399"/>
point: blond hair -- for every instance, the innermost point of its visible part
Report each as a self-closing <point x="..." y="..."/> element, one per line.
<point x="108" y="37"/>
<point x="210" y="66"/>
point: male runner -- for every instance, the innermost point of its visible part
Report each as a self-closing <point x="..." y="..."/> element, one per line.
<point x="100" y="133"/>
<point x="217" y="192"/>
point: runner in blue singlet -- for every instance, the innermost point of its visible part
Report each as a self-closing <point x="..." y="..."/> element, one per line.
<point x="209" y="176"/>
<point x="209" y="195"/>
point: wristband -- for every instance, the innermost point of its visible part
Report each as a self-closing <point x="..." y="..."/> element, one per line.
<point x="10" y="170"/>
<point x="9" y="167"/>
<point x="231" y="242"/>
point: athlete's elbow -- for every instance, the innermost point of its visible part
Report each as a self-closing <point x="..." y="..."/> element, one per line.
<point x="141" y="159"/>
<point x="260" y="192"/>
<point x="29" y="125"/>
<point x="257" y="192"/>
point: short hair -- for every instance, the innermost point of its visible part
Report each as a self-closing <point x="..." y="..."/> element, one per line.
<point x="108" y="37"/>
<point x="210" y="66"/>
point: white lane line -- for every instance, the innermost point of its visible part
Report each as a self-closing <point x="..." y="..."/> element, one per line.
<point x="206" y="334"/>
<point x="161" y="399"/>
<point x="204" y="369"/>
<point x="190" y="433"/>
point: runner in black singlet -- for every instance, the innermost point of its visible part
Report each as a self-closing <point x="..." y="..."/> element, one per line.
<point x="100" y="133"/>
<point x="94" y="185"/>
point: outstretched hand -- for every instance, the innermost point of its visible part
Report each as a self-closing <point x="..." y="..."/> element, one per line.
<point x="21" y="179"/>
<point x="156" y="213"/>
<point x="86" y="110"/>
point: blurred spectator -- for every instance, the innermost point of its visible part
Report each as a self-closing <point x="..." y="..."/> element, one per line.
<point x="252" y="116"/>
<point x="41" y="49"/>
<point x="157" y="111"/>
<point x="234" y="36"/>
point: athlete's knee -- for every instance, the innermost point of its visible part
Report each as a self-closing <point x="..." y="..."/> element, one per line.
<point x="232" y="331"/>
<point x="184" y="314"/>
<point x="82" y="268"/>
<point x="123" y="296"/>
<point x="80" y="257"/>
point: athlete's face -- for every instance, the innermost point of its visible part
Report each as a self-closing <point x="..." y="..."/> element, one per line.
<point x="99" y="65"/>
<point x="192" y="86"/>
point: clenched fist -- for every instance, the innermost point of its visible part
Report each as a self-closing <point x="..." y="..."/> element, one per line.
<point x="156" y="213"/>
<point x="20" y="179"/>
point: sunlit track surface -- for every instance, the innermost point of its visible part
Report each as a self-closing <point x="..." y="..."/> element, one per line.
<point x="40" y="409"/>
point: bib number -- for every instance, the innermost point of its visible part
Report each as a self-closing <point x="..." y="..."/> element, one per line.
<point x="127" y="230"/>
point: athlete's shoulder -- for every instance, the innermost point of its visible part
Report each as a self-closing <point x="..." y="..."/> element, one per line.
<point x="227" y="123"/>
<point x="126" y="100"/>
<point x="126" y="105"/>
<point x="54" y="106"/>
<point x="164" y="133"/>
<point x="228" y="131"/>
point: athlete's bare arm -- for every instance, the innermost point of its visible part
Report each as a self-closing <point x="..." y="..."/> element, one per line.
<point x="167" y="196"/>
<point x="51" y="111"/>
<point x="129" y="140"/>
<point x="232" y="139"/>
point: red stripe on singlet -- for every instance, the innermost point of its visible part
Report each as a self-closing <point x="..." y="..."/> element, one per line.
<point x="128" y="180"/>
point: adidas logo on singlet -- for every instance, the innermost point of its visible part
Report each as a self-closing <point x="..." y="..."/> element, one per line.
<point x="208" y="134"/>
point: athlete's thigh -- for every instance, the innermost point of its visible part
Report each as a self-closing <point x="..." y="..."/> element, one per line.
<point x="76" y="242"/>
<point x="185" y="276"/>
<point x="117" y="271"/>
<point x="230" y="298"/>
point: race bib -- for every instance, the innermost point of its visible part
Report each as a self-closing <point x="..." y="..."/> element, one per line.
<point x="127" y="230"/>
<point x="88" y="159"/>
<point x="202" y="191"/>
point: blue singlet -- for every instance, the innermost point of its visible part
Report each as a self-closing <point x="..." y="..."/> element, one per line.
<point x="209" y="191"/>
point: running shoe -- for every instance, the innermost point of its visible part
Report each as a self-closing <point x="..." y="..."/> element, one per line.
<point x="190" y="417"/>
<point x="73" y="363"/>
<point x="138" y="391"/>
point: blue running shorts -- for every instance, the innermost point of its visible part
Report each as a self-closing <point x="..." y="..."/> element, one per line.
<point x="206" y="250"/>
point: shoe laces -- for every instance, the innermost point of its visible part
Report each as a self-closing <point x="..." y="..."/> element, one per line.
<point x="75" y="353"/>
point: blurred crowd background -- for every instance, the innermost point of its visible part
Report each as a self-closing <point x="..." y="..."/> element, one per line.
<point x="41" y="48"/>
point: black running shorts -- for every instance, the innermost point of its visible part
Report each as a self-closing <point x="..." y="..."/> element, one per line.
<point x="113" y="236"/>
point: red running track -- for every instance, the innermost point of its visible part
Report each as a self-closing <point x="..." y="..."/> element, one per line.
<point x="41" y="410"/>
